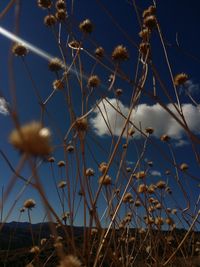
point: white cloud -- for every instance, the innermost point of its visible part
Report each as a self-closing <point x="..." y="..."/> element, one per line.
<point x="155" y="173"/>
<point x="191" y="87"/>
<point x="145" y="115"/>
<point x="3" y="106"/>
<point x="181" y="142"/>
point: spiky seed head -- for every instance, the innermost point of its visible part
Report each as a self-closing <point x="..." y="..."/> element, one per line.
<point x="55" y="64"/>
<point x="60" y="4"/>
<point x="61" y="163"/>
<point x="86" y="26"/>
<point x="169" y="221"/>
<point x="50" y="20"/>
<point x="144" y="34"/>
<point x="44" y="3"/>
<point x="105" y="180"/>
<point x="62" y="184"/>
<point x="81" y="124"/>
<point x="58" y="85"/>
<point x="180" y="79"/>
<point x="99" y="52"/>
<point x="138" y="203"/>
<point x="151" y="189"/>
<point x="61" y="15"/>
<point x="93" y="81"/>
<point x="29" y="203"/>
<point x="120" y="53"/>
<point x="89" y="172"/>
<point x="19" y="50"/>
<point x="151" y="10"/>
<point x="150" y="21"/>
<point x="144" y="48"/>
<point x="32" y="139"/>
<point x="158" y="206"/>
<point x="184" y="167"/>
<point x="159" y="221"/>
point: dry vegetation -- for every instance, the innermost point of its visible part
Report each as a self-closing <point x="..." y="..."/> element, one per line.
<point x="129" y="218"/>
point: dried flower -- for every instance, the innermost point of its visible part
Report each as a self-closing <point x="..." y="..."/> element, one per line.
<point x="58" y="85"/>
<point x="89" y="172"/>
<point x="60" y="4"/>
<point x="159" y="221"/>
<point x="180" y="79"/>
<point x="150" y="21"/>
<point x="142" y="188"/>
<point x="35" y="250"/>
<point x="32" y="139"/>
<point x="50" y="20"/>
<point x="184" y="167"/>
<point x="61" y="15"/>
<point x="99" y="52"/>
<point x="93" y="81"/>
<point x="161" y="184"/>
<point x="61" y="163"/>
<point x="144" y="34"/>
<point x="137" y="203"/>
<point x="144" y="48"/>
<point x="149" y="130"/>
<point x="120" y="53"/>
<point x="70" y="148"/>
<point x="103" y="167"/>
<point x="140" y="175"/>
<point x="55" y="64"/>
<point x="86" y="26"/>
<point x="44" y="3"/>
<point x="62" y="184"/>
<point x="165" y="138"/>
<point x="118" y="92"/>
<point x="127" y="197"/>
<point x="19" y="50"/>
<point x="29" y="203"/>
<point x="51" y="159"/>
<point x="81" y="125"/>
<point x="105" y="180"/>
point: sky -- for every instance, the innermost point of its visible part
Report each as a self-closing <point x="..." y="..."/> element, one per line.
<point x="115" y="22"/>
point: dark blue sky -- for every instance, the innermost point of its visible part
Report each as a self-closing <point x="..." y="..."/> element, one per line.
<point x="176" y="18"/>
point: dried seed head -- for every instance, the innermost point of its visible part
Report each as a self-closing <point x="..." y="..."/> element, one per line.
<point x="118" y="92"/>
<point x="150" y="21"/>
<point x="150" y="163"/>
<point x="144" y="48"/>
<point x="167" y="172"/>
<point x="29" y="203"/>
<point x="89" y="172"/>
<point x="174" y="211"/>
<point x="51" y="159"/>
<point x="142" y="188"/>
<point x="70" y="261"/>
<point x="44" y="3"/>
<point x="161" y="184"/>
<point x="74" y="44"/>
<point x="151" y="189"/>
<point x="61" y="15"/>
<point x="158" y="206"/>
<point x="35" y="250"/>
<point x="140" y="175"/>
<point x="159" y="221"/>
<point x="50" y="20"/>
<point x="19" y="50"/>
<point x="99" y="52"/>
<point x="103" y="167"/>
<point x="70" y="148"/>
<point x="22" y="210"/>
<point x="61" y="163"/>
<point x="127" y="197"/>
<point x="144" y="34"/>
<point x="149" y="130"/>
<point x="93" y="81"/>
<point x="86" y="26"/>
<point x="169" y="221"/>
<point x="55" y="64"/>
<point x="62" y="184"/>
<point x="137" y="203"/>
<point x="131" y="131"/>
<point x="168" y="190"/>
<point x="43" y="241"/>
<point x="151" y="10"/>
<point x="81" y="125"/>
<point x="165" y="138"/>
<point x="58" y="85"/>
<point x="184" y="167"/>
<point x="94" y="231"/>
<point x="60" y="4"/>
<point x="120" y="53"/>
<point x="180" y="79"/>
<point x="128" y="169"/>
<point x="32" y="139"/>
<point x="105" y="180"/>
